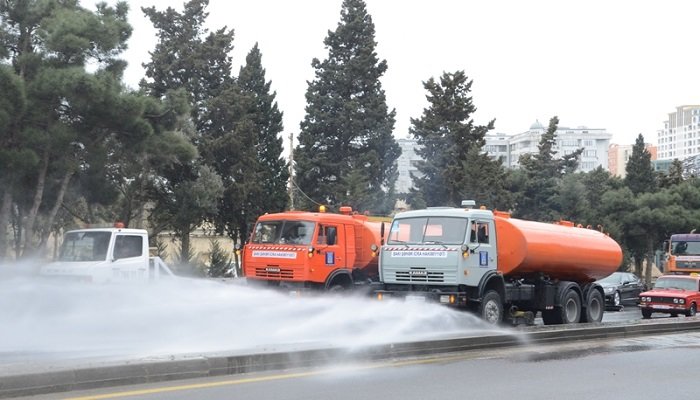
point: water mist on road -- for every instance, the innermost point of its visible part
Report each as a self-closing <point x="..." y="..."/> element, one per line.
<point x="58" y="319"/>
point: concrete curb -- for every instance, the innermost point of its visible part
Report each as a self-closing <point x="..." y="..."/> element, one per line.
<point x="147" y="372"/>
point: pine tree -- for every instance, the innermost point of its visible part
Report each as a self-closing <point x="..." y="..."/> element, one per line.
<point x="453" y="167"/>
<point x="64" y="110"/>
<point x="274" y="171"/>
<point x="543" y="173"/>
<point x="640" y="173"/>
<point x="674" y="175"/>
<point x="348" y="125"/>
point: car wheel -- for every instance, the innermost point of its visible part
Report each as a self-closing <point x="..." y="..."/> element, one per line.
<point x="646" y="314"/>
<point x="616" y="299"/>
<point x="692" y="311"/>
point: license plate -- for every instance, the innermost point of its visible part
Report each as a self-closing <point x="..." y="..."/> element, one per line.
<point x="660" y="307"/>
<point x="416" y="299"/>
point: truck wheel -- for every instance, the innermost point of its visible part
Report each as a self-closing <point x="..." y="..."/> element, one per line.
<point x="693" y="310"/>
<point x="570" y="310"/>
<point x="593" y="312"/>
<point x="491" y="309"/>
<point x="336" y="288"/>
<point x="646" y="314"/>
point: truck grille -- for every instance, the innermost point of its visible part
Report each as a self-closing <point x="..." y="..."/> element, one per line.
<point x="420" y="276"/>
<point x="266" y="272"/>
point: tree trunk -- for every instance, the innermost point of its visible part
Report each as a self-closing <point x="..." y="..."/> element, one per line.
<point x="54" y="210"/>
<point x="650" y="258"/>
<point x="638" y="266"/>
<point x="34" y="211"/>
<point x="5" y="208"/>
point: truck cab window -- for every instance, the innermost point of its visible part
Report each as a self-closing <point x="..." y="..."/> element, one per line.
<point x="327" y="235"/>
<point x="126" y="246"/>
<point x="479" y="232"/>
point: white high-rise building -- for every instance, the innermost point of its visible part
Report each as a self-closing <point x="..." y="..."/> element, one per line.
<point x="594" y="142"/>
<point x="508" y="149"/>
<point x="680" y="137"/>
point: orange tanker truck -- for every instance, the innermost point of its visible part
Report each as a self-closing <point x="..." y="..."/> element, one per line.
<point x="300" y="250"/>
<point x="500" y="267"/>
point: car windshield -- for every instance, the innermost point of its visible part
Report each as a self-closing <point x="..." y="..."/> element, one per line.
<point x="613" y="278"/>
<point x="283" y="232"/>
<point x="683" y="247"/>
<point x="85" y="246"/>
<point x="676" y="283"/>
<point x="428" y="230"/>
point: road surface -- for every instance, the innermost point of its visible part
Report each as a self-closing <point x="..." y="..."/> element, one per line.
<point x="657" y="367"/>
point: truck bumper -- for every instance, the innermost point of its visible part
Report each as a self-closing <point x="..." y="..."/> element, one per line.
<point x="455" y="299"/>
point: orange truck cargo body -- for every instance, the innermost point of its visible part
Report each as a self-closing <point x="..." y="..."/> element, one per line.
<point x="334" y="249"/>
<point x="558" y="251"/>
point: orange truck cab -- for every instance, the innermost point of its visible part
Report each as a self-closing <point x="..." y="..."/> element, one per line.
<point x="313" y="250"/>
<point x="683" y="253"/>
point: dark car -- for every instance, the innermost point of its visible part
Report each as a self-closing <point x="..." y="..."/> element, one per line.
<point x="621" y="288"/>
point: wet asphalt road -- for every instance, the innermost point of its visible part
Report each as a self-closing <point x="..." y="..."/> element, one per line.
<point x="652" y="367"/>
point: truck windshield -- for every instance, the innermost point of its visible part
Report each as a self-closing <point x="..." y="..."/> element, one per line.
<point x="284" y="232"/>
<point x="85" y="246"/>
<point x="685" y="247"/>
<point x="428" y="230"/>
<point x="676" y="283"/>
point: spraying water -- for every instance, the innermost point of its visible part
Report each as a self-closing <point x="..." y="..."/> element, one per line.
<point x="58" y="319"/>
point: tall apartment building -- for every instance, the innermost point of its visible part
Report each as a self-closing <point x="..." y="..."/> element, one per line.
<point x="406" y="164"/>
<point x="680" y="137"/>
<point x="509" y="148"/>
<point x="595" y="143"/>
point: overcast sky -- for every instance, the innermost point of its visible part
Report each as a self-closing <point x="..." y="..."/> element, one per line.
<point x="618" y="65"/>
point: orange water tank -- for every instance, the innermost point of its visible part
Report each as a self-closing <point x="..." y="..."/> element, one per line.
<point x="560" y="251"/>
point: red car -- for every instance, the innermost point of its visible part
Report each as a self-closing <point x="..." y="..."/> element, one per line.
<point x="672" y="294"/>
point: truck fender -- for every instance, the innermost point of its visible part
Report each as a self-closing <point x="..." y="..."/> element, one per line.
<point x="339" y="276"/>
<point x="492" y="281"/>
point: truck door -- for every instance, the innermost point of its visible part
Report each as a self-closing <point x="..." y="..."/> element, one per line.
<point x="482" y="251"/>
<point x="129" y="258"/>
<point x="331" y="241"/>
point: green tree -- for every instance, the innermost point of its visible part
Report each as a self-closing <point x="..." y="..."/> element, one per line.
<point x="543" y="173"/>
<point x="48" y="46"/>
<point x="274" y="171"/>
<point x="640" y="173"/>
<point x="347" y="125"/>
<point x="674" y="176"/>
<point x="219" y="261"/>
<point x="453" y="166"/>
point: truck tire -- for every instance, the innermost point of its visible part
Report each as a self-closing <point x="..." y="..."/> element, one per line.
<point x="568" y="313"/>
<point x="491" y="308"/>
<point x="595" y="307"/>
<point x="570" y="307"/>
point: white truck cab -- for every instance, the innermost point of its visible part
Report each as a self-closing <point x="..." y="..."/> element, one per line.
<point x="103" y="255"/>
